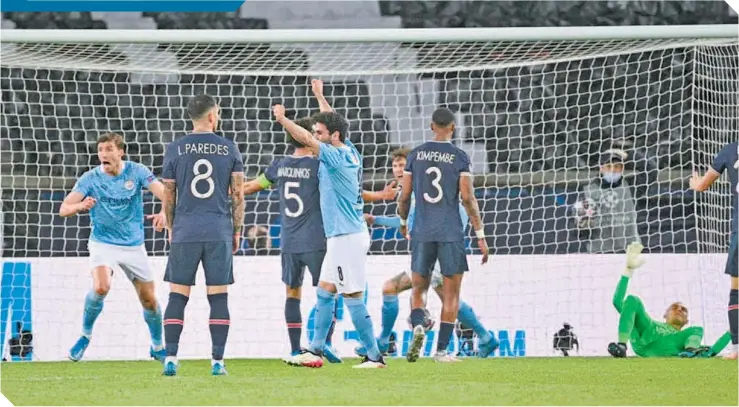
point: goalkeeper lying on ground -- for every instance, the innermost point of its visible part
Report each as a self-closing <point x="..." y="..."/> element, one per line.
<point x="650" y="338"/>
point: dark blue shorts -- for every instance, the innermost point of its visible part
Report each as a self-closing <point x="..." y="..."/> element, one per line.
<point x="732" y="263"/>
<point x="451" y="256"/>
<point x="294" y="264"/>
<point x="184" y="259"/>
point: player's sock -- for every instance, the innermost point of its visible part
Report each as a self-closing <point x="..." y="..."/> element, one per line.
<point x="467" y="317"/>
<point x="445" y="335"/>
<point x="734" y="316"/>
<point x="330" y="334"/>
<point x="174" y="319"/>
<point x="418" y="317"/>
<point x="363" y="324"/>
<point x="220" y="321"/>
<point x="294" y="320"/>
<point x="323" y="318"/>
<point x="390" y="310"/>
<point x="153" y="318"/>
<point x="93" y="307"/>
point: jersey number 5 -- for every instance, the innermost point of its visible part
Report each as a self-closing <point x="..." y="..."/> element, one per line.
<point x="436" y="172"/>
<point x="202" y="176"/>
<point x="296" y="197"/>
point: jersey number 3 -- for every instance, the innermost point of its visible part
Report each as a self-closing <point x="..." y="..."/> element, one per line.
<point x="294" y="196"/>
<point x="436" y="172"/>
<point x="202" y="176"/>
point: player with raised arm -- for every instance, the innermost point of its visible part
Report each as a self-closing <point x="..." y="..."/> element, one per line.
<point x="438" y="172"/>
<point x="302" y="241"/>
<point x="727" y="160"/>
<point x="112" y="194"/>
<point x="343" y="270"/>
<point x="200" y="170"/>
<point x="402" y="281"/>
<point x="650" y="338"/>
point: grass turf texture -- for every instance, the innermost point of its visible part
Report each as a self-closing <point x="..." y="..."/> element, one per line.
<point x="525" y="381"/>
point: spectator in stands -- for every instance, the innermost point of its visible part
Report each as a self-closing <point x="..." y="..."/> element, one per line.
<point x="258" y="238"/>
<point x="605" y="211"/>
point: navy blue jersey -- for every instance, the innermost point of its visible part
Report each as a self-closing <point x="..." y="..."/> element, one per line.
<point x="300" y="203"/>
<point x="436" y="168"/>
<point x="728" y="160"/>
<point x="201" y="165"/>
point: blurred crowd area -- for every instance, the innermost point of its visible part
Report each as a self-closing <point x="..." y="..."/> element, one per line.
<point x="657" y="105"/>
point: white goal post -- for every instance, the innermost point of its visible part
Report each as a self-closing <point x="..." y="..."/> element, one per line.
<point x="537" y="109"/>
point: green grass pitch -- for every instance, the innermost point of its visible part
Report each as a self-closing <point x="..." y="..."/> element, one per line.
<point x="515" y="381"/>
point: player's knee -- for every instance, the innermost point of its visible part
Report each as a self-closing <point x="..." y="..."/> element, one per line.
<point x="293" y="292"/>
<point x="102" y="288"/>
<point x="632" y="300"/>
<point x="389" y="288"/>
<point x="148" y="302"/>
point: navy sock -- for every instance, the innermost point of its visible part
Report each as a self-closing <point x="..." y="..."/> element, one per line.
<point x="294" y="321"/>
<point x="220" y="321"/>
<point x="418" y="317"/>
<point x="333" y="325"/>
<point x="734" y="315"/>
<point x="445" y="335"/>
<point x="174" y="319"/>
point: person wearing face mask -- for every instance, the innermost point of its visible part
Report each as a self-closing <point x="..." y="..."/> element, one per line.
<point x="605" y="212"/>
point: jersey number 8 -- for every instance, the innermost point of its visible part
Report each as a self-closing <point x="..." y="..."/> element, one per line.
<point x="202" y="176"/>
<point x="296" y="197"/>
<point x="436" y="172"/>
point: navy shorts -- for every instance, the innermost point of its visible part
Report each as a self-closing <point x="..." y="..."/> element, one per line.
<point x="294" y="264"/>
<point x="732" y="263"/>
<point x="184" y="259"/>
<point x="451" y="256"/>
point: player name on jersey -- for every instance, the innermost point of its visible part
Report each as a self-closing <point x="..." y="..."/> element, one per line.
<point x="203" y="148"/>
<point x="292" y="172"/>
<point x="436" y="156"/>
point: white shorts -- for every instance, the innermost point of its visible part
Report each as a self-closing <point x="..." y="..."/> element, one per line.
<point x="345" y="262"/>
<point x="437" y="280"/>
<point x="131" y="260"/>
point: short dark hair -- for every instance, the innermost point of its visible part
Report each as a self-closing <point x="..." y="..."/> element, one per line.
<point x="442" y="117"/>
<point x="401" y="152"/>
<point x="334" y="122"/>
<point x="304" y="122"/>
<point x="199" y="105"/>
<point x="114" y="138"/>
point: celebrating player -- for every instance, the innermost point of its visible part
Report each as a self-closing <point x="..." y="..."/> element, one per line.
<point x="402" y="282"/>
<point x="343" y="270"/>
<point x="650" y="338"/>
<point x="302" y="241"/>
<point x="112" y="194"/>
<point x="438" y="172"/>
<point x="727" y="160"/>
<point x="204" y="225"/>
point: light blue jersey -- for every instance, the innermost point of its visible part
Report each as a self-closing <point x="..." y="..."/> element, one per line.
<point x="118" y="215"/>
<point x="340" y="187"/>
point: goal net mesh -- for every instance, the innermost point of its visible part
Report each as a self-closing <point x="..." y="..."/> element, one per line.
<point x="535" y="118"/>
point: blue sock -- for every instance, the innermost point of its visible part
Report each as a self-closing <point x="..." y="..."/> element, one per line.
<point x="467" y="317"/>
<point x="153" y="318"/>
<point x="93" y="308"/>
<point x="322" y="320"/>
<point x="363" y="325"/>
<point x="390" y="311"/>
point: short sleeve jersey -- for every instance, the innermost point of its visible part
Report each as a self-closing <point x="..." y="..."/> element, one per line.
<point x="727" y="160"/>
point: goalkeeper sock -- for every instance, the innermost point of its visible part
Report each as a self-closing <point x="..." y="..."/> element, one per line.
<point x="153" y="318"/>
<point x="174" y="319"/>
<point x="93" y="308"/>
<point x="294" y="321"/>
<point x="467" y="317"/>
<point x="220" y="321"/>
<point x="363" y="324"/>
<point x="322" y="320"/>
<point x="734" y="316"/>
<point x="390" y="310"/>
<point x="330" y="333"/>
<point x="445" y="335"/>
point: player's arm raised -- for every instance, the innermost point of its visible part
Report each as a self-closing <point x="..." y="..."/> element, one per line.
<point x="75" y="203"/>
<point x="300" y="134"/>
<point x="237" y="207"/>
<point x="317" y="87"/>
<point x="469" y="201"/>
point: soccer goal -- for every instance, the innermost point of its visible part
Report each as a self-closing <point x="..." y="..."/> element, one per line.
<point x="537" y="109"/>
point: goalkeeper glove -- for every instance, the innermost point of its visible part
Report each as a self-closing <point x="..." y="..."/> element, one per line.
<point x="701" y="352"/>
<point x="633" y="258"/>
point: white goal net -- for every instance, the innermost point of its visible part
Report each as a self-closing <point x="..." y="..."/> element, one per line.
<point x="536" y="117"/>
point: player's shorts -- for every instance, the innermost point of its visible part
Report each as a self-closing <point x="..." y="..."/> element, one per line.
<point x="294" y="265"/>
<point x="184" y="259"/>
<point x="345" y="262"/>
<point x="131" y="260"/>
<point x="732" y="263"/>
<point x="451" y="256"/>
